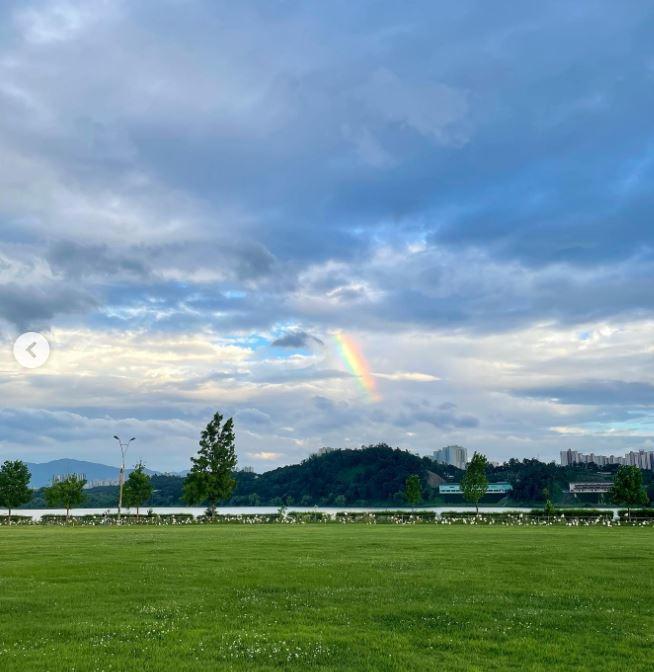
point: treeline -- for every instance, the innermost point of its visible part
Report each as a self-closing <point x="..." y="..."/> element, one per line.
<point x="375" y="475"/>
<point x="67" y="492"/>
<point x="534" y="481"/>
<point x="166" y="491"/>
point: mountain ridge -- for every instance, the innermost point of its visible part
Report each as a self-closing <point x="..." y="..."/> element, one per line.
<point x="43" y="472"/>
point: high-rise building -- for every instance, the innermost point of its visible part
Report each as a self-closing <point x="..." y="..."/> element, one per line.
<point x="58" y="478"/>
<point x="642" y="458"/>
<point x="568" y="457"/>
<point x="457" y="456"/>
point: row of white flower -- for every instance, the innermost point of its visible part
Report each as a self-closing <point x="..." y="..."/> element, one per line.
<point x="368" y="518"/>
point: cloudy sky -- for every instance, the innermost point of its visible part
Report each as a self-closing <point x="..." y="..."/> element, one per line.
<point x="198" y="198"/>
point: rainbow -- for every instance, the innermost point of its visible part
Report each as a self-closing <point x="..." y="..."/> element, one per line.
<point x="355" y="362"/>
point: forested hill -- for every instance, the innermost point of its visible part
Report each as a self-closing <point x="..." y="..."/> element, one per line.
<point x="372" y="475"/>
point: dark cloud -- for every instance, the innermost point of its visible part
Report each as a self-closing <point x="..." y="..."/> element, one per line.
<point x="443" y="416"/>
<point x="458" y="128"/>
<point x="234" y="259"/>
<point x="595" y="393"/>
<point x="253" y="417"/>
<point x="77" y="260"/>
<point x="30" y="307"/>
<point x="296" y="339"/>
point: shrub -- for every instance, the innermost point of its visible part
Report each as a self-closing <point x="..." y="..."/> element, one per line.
<point x="16" y="520"/>
<point x="636" y="514"/>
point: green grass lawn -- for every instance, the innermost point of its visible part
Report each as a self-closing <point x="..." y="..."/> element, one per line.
<point x="334" y="597"/>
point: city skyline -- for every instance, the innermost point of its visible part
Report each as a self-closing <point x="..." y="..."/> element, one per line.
<point x="423" y="225"/>
<point x="643" y="459"/>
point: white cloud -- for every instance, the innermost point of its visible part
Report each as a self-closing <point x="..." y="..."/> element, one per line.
<point x="266" y="456"/>
<point x="408" y="375"/>
<point x="60" y="21"/>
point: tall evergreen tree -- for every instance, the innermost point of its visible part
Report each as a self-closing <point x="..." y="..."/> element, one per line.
<point x="138" y="488"/>
<point x="14" y="485"/>
<point x="212" y="472"/>
<point x="474" y="483"/>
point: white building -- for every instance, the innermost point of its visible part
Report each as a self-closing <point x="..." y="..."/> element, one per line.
<point x="590" y="488"/>
<point x="642" y="458"/>
<point x="457" y="456"/>
<point x="101" y="482"/>
<point x="58" y="478"/>
<point x="501" y="488"/>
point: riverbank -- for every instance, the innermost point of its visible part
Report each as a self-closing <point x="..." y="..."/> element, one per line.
<point x="198" y="511"/>
<point x="269" y="515"/>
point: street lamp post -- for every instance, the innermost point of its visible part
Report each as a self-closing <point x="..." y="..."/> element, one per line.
<point x="124" y="445"/>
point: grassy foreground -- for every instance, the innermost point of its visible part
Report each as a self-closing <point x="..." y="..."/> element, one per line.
<point x="331" y="597"/>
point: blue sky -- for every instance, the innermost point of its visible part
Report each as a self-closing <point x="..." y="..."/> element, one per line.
<point x="195" y="197"/>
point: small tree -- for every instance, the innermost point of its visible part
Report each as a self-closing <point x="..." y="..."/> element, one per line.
<point x="549" y="509"/>
<point x="14" y="485"/>
<point x="474" y="483"/>
<point x="138" y="488"/>
<point x="413" y="490"/>
<point x="212" y="472"/>
<point x="69" y="493"/>
<point x="628" y="488"/>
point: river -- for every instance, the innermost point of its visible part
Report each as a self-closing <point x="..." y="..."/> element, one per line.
<point x="236" y="510"/>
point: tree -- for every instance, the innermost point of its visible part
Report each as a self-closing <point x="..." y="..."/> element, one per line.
<point x="628" y="488"/>
<point x="413" y="490"/>
<point x="14" y="485"/>
<point x="474" y="482"/>
<point x="530" y="478"/>
<point x="549" y="509"/>
<point x="212" y="472"/>
<point x="138" y="488"/>
<point x="68" y="492"/>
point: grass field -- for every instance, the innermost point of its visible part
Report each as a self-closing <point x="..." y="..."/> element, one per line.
<point x="350" y="597"/>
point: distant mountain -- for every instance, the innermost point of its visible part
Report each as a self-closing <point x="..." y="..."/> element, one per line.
<point x="42" y="473"/>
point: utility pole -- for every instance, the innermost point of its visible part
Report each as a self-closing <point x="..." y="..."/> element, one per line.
<point x="121" y="479"/>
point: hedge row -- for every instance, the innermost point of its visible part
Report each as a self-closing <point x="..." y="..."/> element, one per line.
<point x="385" y="516"/>
<point x="534" y="517"/>
<point x="636" y="513"/>
<point x="575" y="513"/>
<point x="109" y="518"/>
<point x="19" y="520"/>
